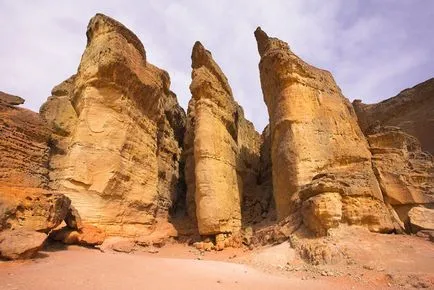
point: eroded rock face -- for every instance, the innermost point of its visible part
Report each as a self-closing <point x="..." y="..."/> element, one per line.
<point x="320" y="159"/>
<point x="221" y="149"/>
<point x="405" y="173"/>
<point x="118" y="134"/>
<point x="25" y="202"/>
<point x="258" y="203"/>
<point x="23" y="145"/>
<point x="412" y="110"/>
<point x="32" y="208"/>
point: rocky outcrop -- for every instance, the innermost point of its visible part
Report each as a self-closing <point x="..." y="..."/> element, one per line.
<point x="320" y="159"/>
<point x="411" y="110"/>
<point x="221" y="150"/>
<point x="118" y="134"/>
<point x="405" y="173"/>
<point x="257" y="200"/>
<point x="10" y="100"/>
<point x="20" y="244"/>
<point x="23" y="145"/>
<point x="25" y="203"/>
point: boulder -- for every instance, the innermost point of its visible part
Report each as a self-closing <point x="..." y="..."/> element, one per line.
<point x="118" y="244"/>
<point x="118" y="133"/>
<point x="32" y="209"/>
<point x="87" y="235"/>
<point x="315" y="134"/>
<point x="20" y="244"/>
<point x="221" y="149"/>
<point x="421" y="218"/>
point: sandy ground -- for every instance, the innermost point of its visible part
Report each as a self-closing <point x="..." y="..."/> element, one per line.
<point x="79" y="268"/>
<point x="372" y="262"/>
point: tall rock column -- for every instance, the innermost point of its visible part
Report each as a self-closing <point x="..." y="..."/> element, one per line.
<point x="217" y="143"/>
<point x="320" y="158"/>
<point x="115" y="151"/>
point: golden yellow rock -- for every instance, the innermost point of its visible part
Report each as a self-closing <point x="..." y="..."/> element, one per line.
<point x="314" y="135"/>
<point x="412" y="110"/>
<point x="405" y="173"/>
<point x="115" y="150"/>
<point x="25" y="202"/>
<point x="221" y="149"/>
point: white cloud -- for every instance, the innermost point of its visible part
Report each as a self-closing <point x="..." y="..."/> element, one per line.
<point x="368" y="46"/>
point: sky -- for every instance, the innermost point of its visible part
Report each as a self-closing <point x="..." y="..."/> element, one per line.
<point x="374" y="49"/>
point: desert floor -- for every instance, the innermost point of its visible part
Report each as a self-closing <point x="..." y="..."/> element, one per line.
<point x="373" y="261"/>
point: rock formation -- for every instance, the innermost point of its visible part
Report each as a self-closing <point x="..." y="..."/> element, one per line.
<point x="28" y="210"/>
<point x="221" y="149"/>
<point x="421" y="218"/>
<point x="320" y="159"/>
<point x="23" y="145"/>
<point x="118" y="134"/>
<point x="24" y="200"/>
<point x="113" y="141"/>
<point x="20" y="244"/>
<point x="412" y="110"/>
<point x="11" y="100"/>
<point x="32" y="208"/>
<point x="405" y="173"/>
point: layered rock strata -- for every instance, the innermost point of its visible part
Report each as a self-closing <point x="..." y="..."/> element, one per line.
<point x="118" y="134"/>
<point x="221" y="150"/>
<point x="320" y="159"/>
<point x="24" y="146"/>
<point x="404" y="171"/>
<point x="25" y="201"/>
<point x="28" y="210"/>
<point x="412" y="110"/>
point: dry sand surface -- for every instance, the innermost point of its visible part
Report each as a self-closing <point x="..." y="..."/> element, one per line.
<point x="373" y="261"/>
<point x="89" y="269"/>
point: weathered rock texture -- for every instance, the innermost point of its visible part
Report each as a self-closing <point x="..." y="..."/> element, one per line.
<point x="24" y="200"/>
<point x="23" y="145"/>
<point x="412" y="110"/>
<point x="118" y="134"/>
<point x="258" y="202"/>
<point x="221" y="149"/>
<point x="320" y="159"/>
<point x="20" y="244"/>
<point x="405" y="173"/>
<point x="7" y="99"/>
<point x="85" y="236"/>
<point x="421" y="218"/>
<point x="32" y="208"/>
<point x="28" y="210"/>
